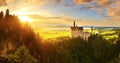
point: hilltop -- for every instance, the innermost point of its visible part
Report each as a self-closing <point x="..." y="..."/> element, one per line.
<point x="14" y="34"/>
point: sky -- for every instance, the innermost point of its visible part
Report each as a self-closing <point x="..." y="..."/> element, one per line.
<point x="60" y="14"/>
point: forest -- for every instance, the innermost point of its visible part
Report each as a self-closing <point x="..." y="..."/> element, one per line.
<point x="20" y="44"/>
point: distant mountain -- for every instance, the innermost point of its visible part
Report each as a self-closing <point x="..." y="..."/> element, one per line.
<point x="102" y="27"/>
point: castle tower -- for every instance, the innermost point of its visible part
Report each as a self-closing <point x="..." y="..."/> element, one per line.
<point x="91" y="29"/>
<point x="74" y="24"/>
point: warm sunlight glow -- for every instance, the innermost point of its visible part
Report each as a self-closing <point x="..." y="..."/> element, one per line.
<point x="24" y="19"/>
<point x="52" y="34"/>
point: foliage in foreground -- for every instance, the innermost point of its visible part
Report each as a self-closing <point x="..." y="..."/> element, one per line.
<point x="21" y="55"/>
<point x="76" y="50"/>
<point x="14" y="34"/>
<point x="71" y="50"/>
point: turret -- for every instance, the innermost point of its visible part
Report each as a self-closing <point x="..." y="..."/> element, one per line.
<point x="91" y="29"/>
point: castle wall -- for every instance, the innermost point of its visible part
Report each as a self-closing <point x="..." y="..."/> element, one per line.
<point x="80" y="33"/>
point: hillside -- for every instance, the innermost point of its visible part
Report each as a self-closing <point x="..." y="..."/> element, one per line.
<point x="14" y="34"/>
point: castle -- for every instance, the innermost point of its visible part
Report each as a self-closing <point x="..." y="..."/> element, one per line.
<point x="79" y="32"/>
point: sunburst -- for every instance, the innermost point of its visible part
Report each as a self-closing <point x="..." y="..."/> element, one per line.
<point x="24" y="19"/>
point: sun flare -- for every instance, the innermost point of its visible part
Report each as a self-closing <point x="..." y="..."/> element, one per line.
<point x="24" y="19"/>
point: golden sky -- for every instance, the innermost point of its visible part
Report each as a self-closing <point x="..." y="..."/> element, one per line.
<point x="60" y="14"/>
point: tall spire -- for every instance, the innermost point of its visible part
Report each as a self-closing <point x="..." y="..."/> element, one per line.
<point x="74" y="24"/>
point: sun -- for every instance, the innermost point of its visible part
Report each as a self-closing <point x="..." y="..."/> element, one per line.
<point x="24" y="19"/>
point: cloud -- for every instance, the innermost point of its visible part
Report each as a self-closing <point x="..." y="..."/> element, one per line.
<point x="21" y="5"/>
<point x="27" y="1"/>
<point x="101" y="2"/>
<point x="2" y="2"/>
<point x="35" y="1"/>
<point x="7" y="1"/>
<point x="25" y="5"/>
<point x="112" y="6"/>
<point x="58" y="1"/>
<point x="82" y="1"/>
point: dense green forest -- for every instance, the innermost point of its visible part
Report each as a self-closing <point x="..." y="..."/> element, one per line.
<point x="20" y="44"/>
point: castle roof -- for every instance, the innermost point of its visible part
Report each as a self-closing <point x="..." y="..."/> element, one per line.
<point x="76" y="28"/>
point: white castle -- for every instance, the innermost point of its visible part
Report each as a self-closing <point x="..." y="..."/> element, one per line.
<point x="79" y="32"/>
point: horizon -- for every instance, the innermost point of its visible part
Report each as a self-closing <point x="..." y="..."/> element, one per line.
<point x="60" y="14"/>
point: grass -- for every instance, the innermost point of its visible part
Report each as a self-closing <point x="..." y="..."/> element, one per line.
<point x="109" y="34"/>
<point x="50" y="34"/>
